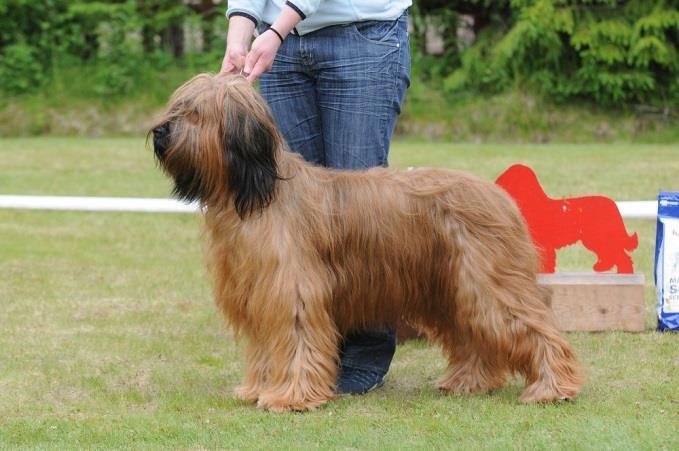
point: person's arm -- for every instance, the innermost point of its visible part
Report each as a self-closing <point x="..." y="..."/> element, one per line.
<point x="243" y="17"/>
<point x="264" y="48"/>
<point x="237" y="43"/>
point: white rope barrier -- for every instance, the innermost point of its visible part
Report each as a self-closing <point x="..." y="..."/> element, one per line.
<point x="131" y="204"/>
<point x="647" y="209"/>
<point x="628" y="209"/>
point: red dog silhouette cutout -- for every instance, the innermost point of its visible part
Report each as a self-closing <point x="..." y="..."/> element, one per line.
<point x="553" y="224"/>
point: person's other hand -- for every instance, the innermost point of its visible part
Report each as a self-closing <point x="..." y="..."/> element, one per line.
<point x="261" y="55"/>
<point x="234" y="59"/>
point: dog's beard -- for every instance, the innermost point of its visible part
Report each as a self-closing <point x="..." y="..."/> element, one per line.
<point x="188" y="186"/>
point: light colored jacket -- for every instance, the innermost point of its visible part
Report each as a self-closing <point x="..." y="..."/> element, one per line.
<point x="317" y="14"/>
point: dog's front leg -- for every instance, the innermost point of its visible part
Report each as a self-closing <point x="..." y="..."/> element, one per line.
<point x="301" y="342"/>
<point x="256" y="374"/>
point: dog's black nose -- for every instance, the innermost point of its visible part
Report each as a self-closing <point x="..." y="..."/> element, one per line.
<point x="161" y="139"/>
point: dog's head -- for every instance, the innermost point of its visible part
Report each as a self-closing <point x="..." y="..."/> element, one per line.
<point x="218" y="142"/>
<point x="521" y="183"/>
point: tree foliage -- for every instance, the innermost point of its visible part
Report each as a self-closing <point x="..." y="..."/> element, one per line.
<point x="613" y="52"/>
<point x="610" y="51"/>
<point x="120" y="36"/>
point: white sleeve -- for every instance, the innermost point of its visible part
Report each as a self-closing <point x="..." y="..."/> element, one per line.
<point x="304" y="8"/>
<point x="251" y="9"/>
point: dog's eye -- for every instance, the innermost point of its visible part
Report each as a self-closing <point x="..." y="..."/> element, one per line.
<point x="193" y="117"/>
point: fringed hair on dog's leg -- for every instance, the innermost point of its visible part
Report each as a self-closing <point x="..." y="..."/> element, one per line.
<point x="540" y="353"/>
<point x="256" y="374"/>
<point x="552" y="373"/>
<point x="302" y="342"/>
<point x="472" y="340"/>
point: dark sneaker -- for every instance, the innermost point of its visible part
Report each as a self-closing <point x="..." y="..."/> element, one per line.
<point x="365" y="359"/>
<point x="353" y="381"/>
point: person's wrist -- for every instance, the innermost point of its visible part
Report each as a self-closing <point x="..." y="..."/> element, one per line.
<point x="276" y="32"/>
<point x="236" y="46"/>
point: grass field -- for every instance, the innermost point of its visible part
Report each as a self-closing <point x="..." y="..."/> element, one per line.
<point x="109" y="339"/>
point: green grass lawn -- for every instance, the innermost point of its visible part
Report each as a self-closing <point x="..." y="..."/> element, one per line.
<point x="109" y="339"/>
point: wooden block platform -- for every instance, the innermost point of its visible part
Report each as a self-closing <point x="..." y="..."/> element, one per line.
<point x="596" y="302"/>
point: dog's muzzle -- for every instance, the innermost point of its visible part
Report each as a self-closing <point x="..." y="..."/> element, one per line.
<point x="161" y="140"/>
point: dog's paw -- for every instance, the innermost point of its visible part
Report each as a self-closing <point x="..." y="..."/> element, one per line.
<point x="274" y="404"/>
<point x="246" y="393"/>
<point x="538" y="394"/>
<point x="467" y="389"/>
<point x="467" y="384"/>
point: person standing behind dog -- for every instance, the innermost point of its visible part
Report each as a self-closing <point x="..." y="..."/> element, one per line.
<point x="335" y="74"/>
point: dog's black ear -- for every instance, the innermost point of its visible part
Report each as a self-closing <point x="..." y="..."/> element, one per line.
<point x="252" y="171"/>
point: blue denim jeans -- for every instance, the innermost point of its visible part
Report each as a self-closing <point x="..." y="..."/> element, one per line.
<point x="335" y="95"/>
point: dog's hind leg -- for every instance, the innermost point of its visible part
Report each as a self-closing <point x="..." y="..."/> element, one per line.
<point x="620" y="260"/>
<point x="470" y="372"/>
<point x="540" y="353"/>
<point x="624" y="263"/>
<point x="506" y="318"/>
<point x="549" y="367"/>
<point x="609" y="254"/>
<point x="603" y="265"/>
<point x="301" y="340"/>
<point x="524" y="332"/>
<point x="472" y="340"/>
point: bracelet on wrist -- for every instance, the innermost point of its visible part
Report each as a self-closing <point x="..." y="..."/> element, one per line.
<point x="277" y="33"/>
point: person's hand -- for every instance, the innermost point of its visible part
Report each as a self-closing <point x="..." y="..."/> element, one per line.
<point x="261" y="55"/>
<point x="234" y="59"/>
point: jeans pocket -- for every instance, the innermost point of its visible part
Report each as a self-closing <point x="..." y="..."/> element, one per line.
<point x="381" y="32"/>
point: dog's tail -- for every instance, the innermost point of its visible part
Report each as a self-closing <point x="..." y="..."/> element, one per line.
<point x="632" y="242"/>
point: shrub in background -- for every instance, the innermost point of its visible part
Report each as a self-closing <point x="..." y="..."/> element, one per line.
<point x="612" y="52"/>
<point x="117" y="39"/>
<point x="20" y="69"/>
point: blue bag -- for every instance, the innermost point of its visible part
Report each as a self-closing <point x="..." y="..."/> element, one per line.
<point x="667" y="261"/>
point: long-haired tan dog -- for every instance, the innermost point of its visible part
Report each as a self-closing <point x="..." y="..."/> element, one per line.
<point x="301" y="255"/>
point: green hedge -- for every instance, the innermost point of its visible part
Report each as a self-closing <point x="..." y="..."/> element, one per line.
<point x="611" y="52"/>
<point x="120" y="38"/>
